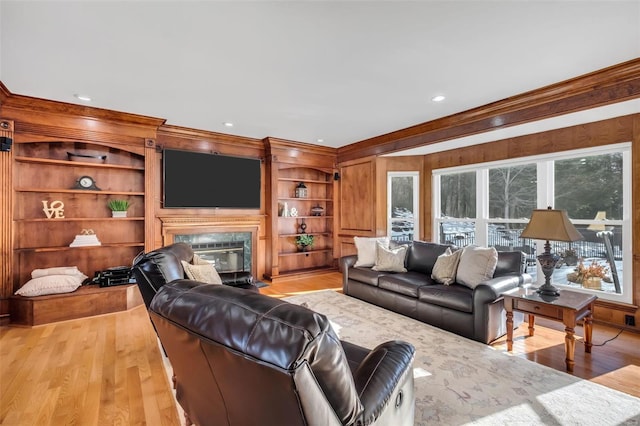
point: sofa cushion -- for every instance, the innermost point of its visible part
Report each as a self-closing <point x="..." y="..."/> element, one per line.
<point x="366" y="275"/>
<point x="509" y="263"/>
<point x="366" y="248"/>
<point x="446" y="266"/>
<point x="390" y="260"/>
<point x="423" y="255"/>
<point x="477" y="264"/>
<point x="456" y="297"/>
<point x="406" y="283"/>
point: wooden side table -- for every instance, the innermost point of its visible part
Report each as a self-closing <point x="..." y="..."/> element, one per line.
<point x="569" y="308"/>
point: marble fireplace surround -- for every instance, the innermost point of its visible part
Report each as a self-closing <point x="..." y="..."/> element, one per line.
<point x="203" y="225"/>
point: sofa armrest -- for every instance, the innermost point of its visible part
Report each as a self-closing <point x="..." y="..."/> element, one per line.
<point x="490" y="290"/>
<point x="347" y="262"/>
<point x="379" y="375"/>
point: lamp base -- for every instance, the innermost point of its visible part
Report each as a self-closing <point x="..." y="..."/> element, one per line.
<point x="548" y="263"/>
<point x="548" y="290"/>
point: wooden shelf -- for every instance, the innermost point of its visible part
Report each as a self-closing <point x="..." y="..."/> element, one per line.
<point x="305" y="199"/>
<point x="79" y="219"/>
<point x="76" y="163"/>
<point x="304" y="253"/>
<point x="306" y="233"/>
<point x="305" y="217"/>
<point x="78" y="191"/>
<point x="305" y="180"/>
<point x="67" y="248"/>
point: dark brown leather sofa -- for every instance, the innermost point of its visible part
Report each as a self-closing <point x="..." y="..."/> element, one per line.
<point x="243" y="358"/>
<point x="477" y="314"/>
<point x="158" y="267"/>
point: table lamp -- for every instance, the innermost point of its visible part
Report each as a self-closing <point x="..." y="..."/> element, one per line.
<point x="550" y="225"/>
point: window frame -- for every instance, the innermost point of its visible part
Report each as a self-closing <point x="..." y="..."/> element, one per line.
<point x="415" y="175"/>
<point x="545" y="197"/>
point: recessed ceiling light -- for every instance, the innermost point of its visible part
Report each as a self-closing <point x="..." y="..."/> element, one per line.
<point x="438" y="98"/>
<point x="319" y="140"/>
<point x="228" y="124"/>
<point x="83" y="97"/>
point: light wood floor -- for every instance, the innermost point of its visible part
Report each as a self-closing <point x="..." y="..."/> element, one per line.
<point x="108" y="370"/>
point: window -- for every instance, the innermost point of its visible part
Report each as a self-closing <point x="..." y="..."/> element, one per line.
<point x="402" y="205"/>
<point x="490" y="204"/>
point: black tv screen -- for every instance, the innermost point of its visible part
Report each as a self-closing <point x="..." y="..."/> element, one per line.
<point x="201" y="180"/>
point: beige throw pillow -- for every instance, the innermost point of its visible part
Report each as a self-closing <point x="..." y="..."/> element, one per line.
<point x="477" y="264"/>
<point x="58" y="270"/>
<point x="446" y="267"/>
<point x="197" y="260"/>
<point x="51" y="284"/>
<point x="205" y="273"/>
<point x="390" y="260"/>
<point x="367" y="251"/>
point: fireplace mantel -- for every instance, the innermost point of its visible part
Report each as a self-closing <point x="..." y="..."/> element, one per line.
<point x="196" y="225"/>
<point x="186" y="221"/>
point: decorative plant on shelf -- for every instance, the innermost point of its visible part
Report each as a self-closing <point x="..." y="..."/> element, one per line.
<point x="304" y="241"/>
<point x="119" y="207"/>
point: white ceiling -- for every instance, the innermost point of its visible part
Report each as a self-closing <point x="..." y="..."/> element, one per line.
<point x="341" y="71"/>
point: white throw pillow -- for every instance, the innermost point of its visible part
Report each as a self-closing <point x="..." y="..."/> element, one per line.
<point x="58" y="270"/>
<point x="390" y="260"/>
<point x="51" y="284"/>
<point x="205" y="273"/>
<point x="446" y="267"/>
<point x="477" y="264"/>
<point x="367" y="249"/>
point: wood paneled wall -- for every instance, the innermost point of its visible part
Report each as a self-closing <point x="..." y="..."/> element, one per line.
<point x="357" y="203"/>
<point x="6" y="220"/>
<point x="363" y="196"/>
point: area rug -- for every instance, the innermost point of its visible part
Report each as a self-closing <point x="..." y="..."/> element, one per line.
<point x="459" y="381"/>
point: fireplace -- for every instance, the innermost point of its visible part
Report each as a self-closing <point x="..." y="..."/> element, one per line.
<point x="228" y="242"/>
<point x="227" y="251"/>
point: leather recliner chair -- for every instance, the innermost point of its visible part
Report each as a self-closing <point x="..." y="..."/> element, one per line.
<point x="243" y="358"/>
<point x="158" y="267"/>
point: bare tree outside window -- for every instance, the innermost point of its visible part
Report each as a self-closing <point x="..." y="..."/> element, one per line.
<point x="458" y="195"/>
<point x="512" y="191"/>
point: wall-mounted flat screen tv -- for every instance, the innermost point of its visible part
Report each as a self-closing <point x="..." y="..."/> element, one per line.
<point x="201" y="180"/>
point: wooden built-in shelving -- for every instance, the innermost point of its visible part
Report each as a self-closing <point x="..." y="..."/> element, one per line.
<point x="289" y="165"/>
<point x="43" y="173"/>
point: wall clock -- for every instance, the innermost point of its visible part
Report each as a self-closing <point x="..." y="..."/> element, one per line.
<point x="86" y="182"/>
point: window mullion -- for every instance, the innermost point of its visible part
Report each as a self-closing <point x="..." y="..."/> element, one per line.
<point x="482" y="206"/>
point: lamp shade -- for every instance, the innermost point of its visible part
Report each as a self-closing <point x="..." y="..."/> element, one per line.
<point x="551" y="225"/>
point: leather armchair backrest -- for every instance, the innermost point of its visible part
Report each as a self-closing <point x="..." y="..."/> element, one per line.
<point x="422" y="255"/>
<point x="154" y="269"/>
<point x="510" y="263"/>
<point x="288" y="358"/>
